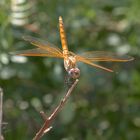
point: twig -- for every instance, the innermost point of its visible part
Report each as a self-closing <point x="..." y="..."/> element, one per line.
<point x="1" y="103"/>
<point x="46" y="126"/>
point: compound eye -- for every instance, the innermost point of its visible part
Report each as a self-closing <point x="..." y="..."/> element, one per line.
<point x="71" y="72"/>
<point x="74" y="73"/>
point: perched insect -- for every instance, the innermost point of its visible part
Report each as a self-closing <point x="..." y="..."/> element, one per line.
<point x="70" y="58"/>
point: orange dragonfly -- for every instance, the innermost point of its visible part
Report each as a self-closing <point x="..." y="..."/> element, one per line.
<point x="70" y="58"/>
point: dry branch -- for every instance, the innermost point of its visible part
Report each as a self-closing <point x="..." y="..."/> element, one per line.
<point x="46" y="127"/>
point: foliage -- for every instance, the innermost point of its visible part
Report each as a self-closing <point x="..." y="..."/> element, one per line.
<point x="103" y="106"/>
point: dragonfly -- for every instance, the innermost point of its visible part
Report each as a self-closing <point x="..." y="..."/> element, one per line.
<point x="46" y="49"/>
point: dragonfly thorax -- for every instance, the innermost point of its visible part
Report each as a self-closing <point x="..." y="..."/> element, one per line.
<point x="69" y="62"/>
<point x="70" y="66"/>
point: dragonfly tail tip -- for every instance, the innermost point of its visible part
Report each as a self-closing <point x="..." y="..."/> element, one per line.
<point x="60" y="18"/>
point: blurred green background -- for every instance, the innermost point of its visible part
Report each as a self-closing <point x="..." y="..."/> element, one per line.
<point x="103" y="106"/>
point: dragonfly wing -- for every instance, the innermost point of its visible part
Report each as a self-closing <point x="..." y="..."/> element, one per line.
<point x="43" y="45"/>
<point x="86" y="61"/>
<point x="105" y="56"/>
<point x="37" y="52"/>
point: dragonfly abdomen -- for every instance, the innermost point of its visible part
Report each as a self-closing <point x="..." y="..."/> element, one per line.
<point x="63" y="37"/>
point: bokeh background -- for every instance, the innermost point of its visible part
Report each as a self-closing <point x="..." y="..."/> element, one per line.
<point x="103" y="106"/>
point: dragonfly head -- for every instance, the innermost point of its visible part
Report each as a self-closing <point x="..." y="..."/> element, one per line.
<point x="74" y="73"/>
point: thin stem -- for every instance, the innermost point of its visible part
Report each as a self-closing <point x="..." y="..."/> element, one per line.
<point x="46" y="126"/>
<point x="1" y="112"/>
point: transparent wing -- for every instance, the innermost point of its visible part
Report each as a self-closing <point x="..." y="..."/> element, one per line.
<point x="44" y="45"/>
<point x="86" y="61"/>
<point x="105" y="56"/>
<point x="37" y="52"/>
<point x="44" y="49"/>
